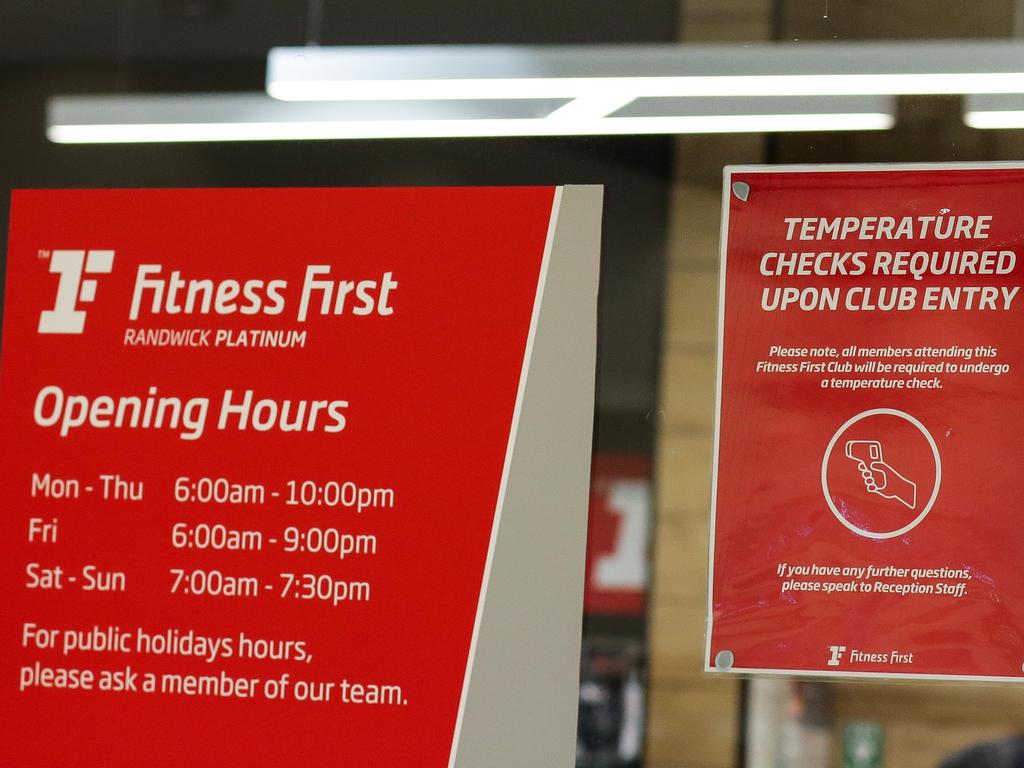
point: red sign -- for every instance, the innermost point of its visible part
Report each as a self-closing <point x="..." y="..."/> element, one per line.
<point x="252" y="443"/>
<point x="870" y="408"/>
<point x="618" y="560"/>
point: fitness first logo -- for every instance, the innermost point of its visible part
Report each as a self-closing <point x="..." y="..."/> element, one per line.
<point x="66" y="317"/>
<point x="223" y="304"/>
<point x="835" y="655"/>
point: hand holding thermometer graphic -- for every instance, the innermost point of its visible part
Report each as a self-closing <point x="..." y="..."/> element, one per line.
<point x="880" y="478"/>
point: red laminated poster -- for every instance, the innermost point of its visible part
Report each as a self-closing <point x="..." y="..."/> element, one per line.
<point x="256" y="444"/>
<point x="870" y="408"/>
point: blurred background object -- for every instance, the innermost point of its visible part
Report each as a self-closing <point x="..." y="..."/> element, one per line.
<point x="612" y="695"/>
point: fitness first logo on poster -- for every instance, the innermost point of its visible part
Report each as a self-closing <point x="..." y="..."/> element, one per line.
<point x="65" y="316"/>
<point x="159" y="292"/>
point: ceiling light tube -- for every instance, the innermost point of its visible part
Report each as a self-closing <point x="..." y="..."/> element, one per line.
<point x="447" y="72"/>
<point x="994" y="111"/>
<point x="590" y="107"/>
<point x="256" y="117"/>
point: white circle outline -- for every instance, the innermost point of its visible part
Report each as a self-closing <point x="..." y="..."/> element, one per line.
<point x="935" y="455"/>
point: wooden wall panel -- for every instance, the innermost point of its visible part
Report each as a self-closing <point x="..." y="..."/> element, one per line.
<point x="694" y="719"/>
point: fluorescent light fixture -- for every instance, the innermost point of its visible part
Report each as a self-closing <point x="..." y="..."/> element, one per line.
<point x="1002" y="110"/>
<point x="256" y="117"/>
<point x="625" y="72"/>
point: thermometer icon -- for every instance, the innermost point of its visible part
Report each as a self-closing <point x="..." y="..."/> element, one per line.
<point x="879" y="477"/>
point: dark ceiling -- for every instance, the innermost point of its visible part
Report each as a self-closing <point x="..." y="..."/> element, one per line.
<point x="212" y="30"/>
